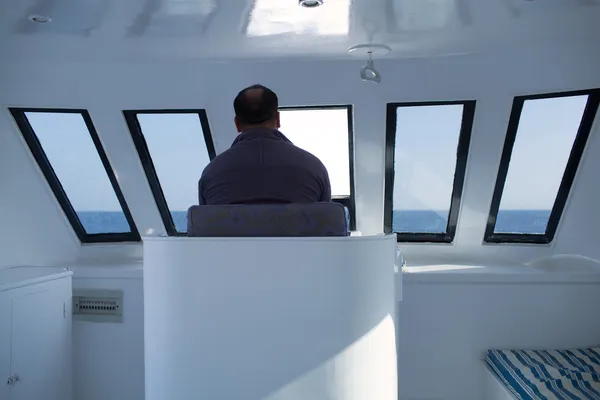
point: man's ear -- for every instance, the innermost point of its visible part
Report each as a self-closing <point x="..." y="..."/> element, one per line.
<point x="237" y="124"/>
<point x="278" y="123"/>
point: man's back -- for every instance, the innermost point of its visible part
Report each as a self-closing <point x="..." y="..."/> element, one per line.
<point x="263" y="166"/>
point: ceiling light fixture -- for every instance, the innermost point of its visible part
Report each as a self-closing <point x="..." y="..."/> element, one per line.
<point x="310" y="3"/>
<point x="368" y="73"/>
<point x="39" y="19"/>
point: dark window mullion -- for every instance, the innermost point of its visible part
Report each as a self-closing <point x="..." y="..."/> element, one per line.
<point x="20" y="117"/>
<point x="150" y="171"/>
<point x="111" y="177"/>
<point x="462" y="154"/>
<point x="567" y="179"/>
<point x="44" y="164"/>
<point x="348" y="201"/>
<point x="352" y="200"/>
<point x="572" y="166"/>
<point x="511" y="135"/>
<point x="462" y="150"/>
<point x="133" y="123"/>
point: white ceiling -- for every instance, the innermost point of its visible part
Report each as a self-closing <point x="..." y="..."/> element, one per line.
<point x="103" y="30"/>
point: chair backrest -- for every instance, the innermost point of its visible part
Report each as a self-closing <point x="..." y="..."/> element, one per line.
<point x="268" y="220"/>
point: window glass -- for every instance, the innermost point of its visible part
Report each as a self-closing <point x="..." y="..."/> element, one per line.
<point x="70" y="150"/>
<point x="545" y="136"/>
<point x="179" y="153"/>
<point x="425" y="161"/>
<point x="325" y="134"/>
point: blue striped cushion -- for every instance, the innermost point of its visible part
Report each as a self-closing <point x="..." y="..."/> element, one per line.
<point x="548" y="374"/>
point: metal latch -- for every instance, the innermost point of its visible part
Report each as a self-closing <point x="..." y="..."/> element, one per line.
<point x="12" y="380"/>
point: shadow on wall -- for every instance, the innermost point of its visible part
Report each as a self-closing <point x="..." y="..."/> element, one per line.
<point x="566" y="263"/>
<point x="323" y="379"/>
<point x="224" y="320"/>
<point x="331" y="370"/>
<point x="280" y="347"/>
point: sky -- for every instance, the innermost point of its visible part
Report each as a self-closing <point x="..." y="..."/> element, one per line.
<point x="426" y="140"/>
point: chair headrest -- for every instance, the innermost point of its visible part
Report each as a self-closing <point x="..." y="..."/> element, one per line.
<point x="269" y="220"/>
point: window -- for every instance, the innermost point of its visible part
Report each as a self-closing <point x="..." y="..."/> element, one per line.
<point x="174" y="147"/>
<point x="69" y="153"/>
<point x="426" y="157"/>
<point x="326" y="132"/>
<point x="545" y="140"/>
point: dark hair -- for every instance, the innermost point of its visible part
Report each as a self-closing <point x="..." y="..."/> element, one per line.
<point x="253" y="110"/>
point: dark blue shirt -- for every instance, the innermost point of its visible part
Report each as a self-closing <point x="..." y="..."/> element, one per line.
<point x="263" y="166"/>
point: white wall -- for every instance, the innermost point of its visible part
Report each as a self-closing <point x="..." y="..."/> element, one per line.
<point x="446" y="322"/>
<point x="314" y="318"/>
<point x="445" y="328"/>
<point x="106" y="89"/>
<point x="579" y="230"/>
<point x="109" y="357"/>
<point x="33" y="229"/>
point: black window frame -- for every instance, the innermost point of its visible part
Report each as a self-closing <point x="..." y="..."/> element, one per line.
<point x="462" y="154"/>
<point x="148" y="165"/>
<point x="347" y="201"/>
<point x="28" y="133"/>
<point x="579" y="144"/>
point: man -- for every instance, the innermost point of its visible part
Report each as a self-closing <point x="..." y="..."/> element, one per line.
<point x="262" y="166"/>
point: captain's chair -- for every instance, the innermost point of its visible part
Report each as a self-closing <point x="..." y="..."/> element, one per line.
<point x="269" y="220"/>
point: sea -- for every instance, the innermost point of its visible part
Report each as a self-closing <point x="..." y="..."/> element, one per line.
<point x="416" y="221"/>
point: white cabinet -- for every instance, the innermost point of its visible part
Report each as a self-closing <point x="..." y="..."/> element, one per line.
<point x="35" y="333"/>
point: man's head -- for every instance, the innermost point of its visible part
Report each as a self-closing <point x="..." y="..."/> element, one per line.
<point x="256" y="107"/>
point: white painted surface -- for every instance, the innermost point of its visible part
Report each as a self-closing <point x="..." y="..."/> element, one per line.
<point x="581" y="227"/>
<point x="569" y="271"/>
<point x="242" y="29"/>
<point x="503" y="63"/>
<point x="561" y="263"/>
<point x="108" y="358"/>
<point x="456" y="316"/>
<point x="449" y="318"/>
<point x="495" y="389"/>
<point x="182" y="86"/>
<point x="43" y="367"/>
<point x="4" y="344"/>
<point x="14" y="277"/>
<point x="270" y="318"/>
<point x="444" y="329"/>
<point x="34" y="230"/>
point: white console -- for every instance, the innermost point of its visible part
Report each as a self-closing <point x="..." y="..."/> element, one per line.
<point x="270" y="318"/>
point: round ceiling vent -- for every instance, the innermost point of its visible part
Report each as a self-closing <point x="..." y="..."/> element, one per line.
<point x="310" y="3"/>
<point x="39" y="19"/>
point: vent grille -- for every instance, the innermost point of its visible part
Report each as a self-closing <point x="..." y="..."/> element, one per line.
<point x="98" y="305"/>
<point x="88" y="305"/>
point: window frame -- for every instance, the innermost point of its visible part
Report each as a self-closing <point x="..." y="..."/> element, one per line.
<point x="562" y="195"/>
<point x="38" y="153"/>
<point x="144" y="155"/>
<point x="347" y="201"/>
<point x="462" y="154"/>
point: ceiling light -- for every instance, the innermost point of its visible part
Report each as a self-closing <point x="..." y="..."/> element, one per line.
<point x="310" y="3"/>
<point x="39" y="19"/>
<point x="368" y="73"/>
